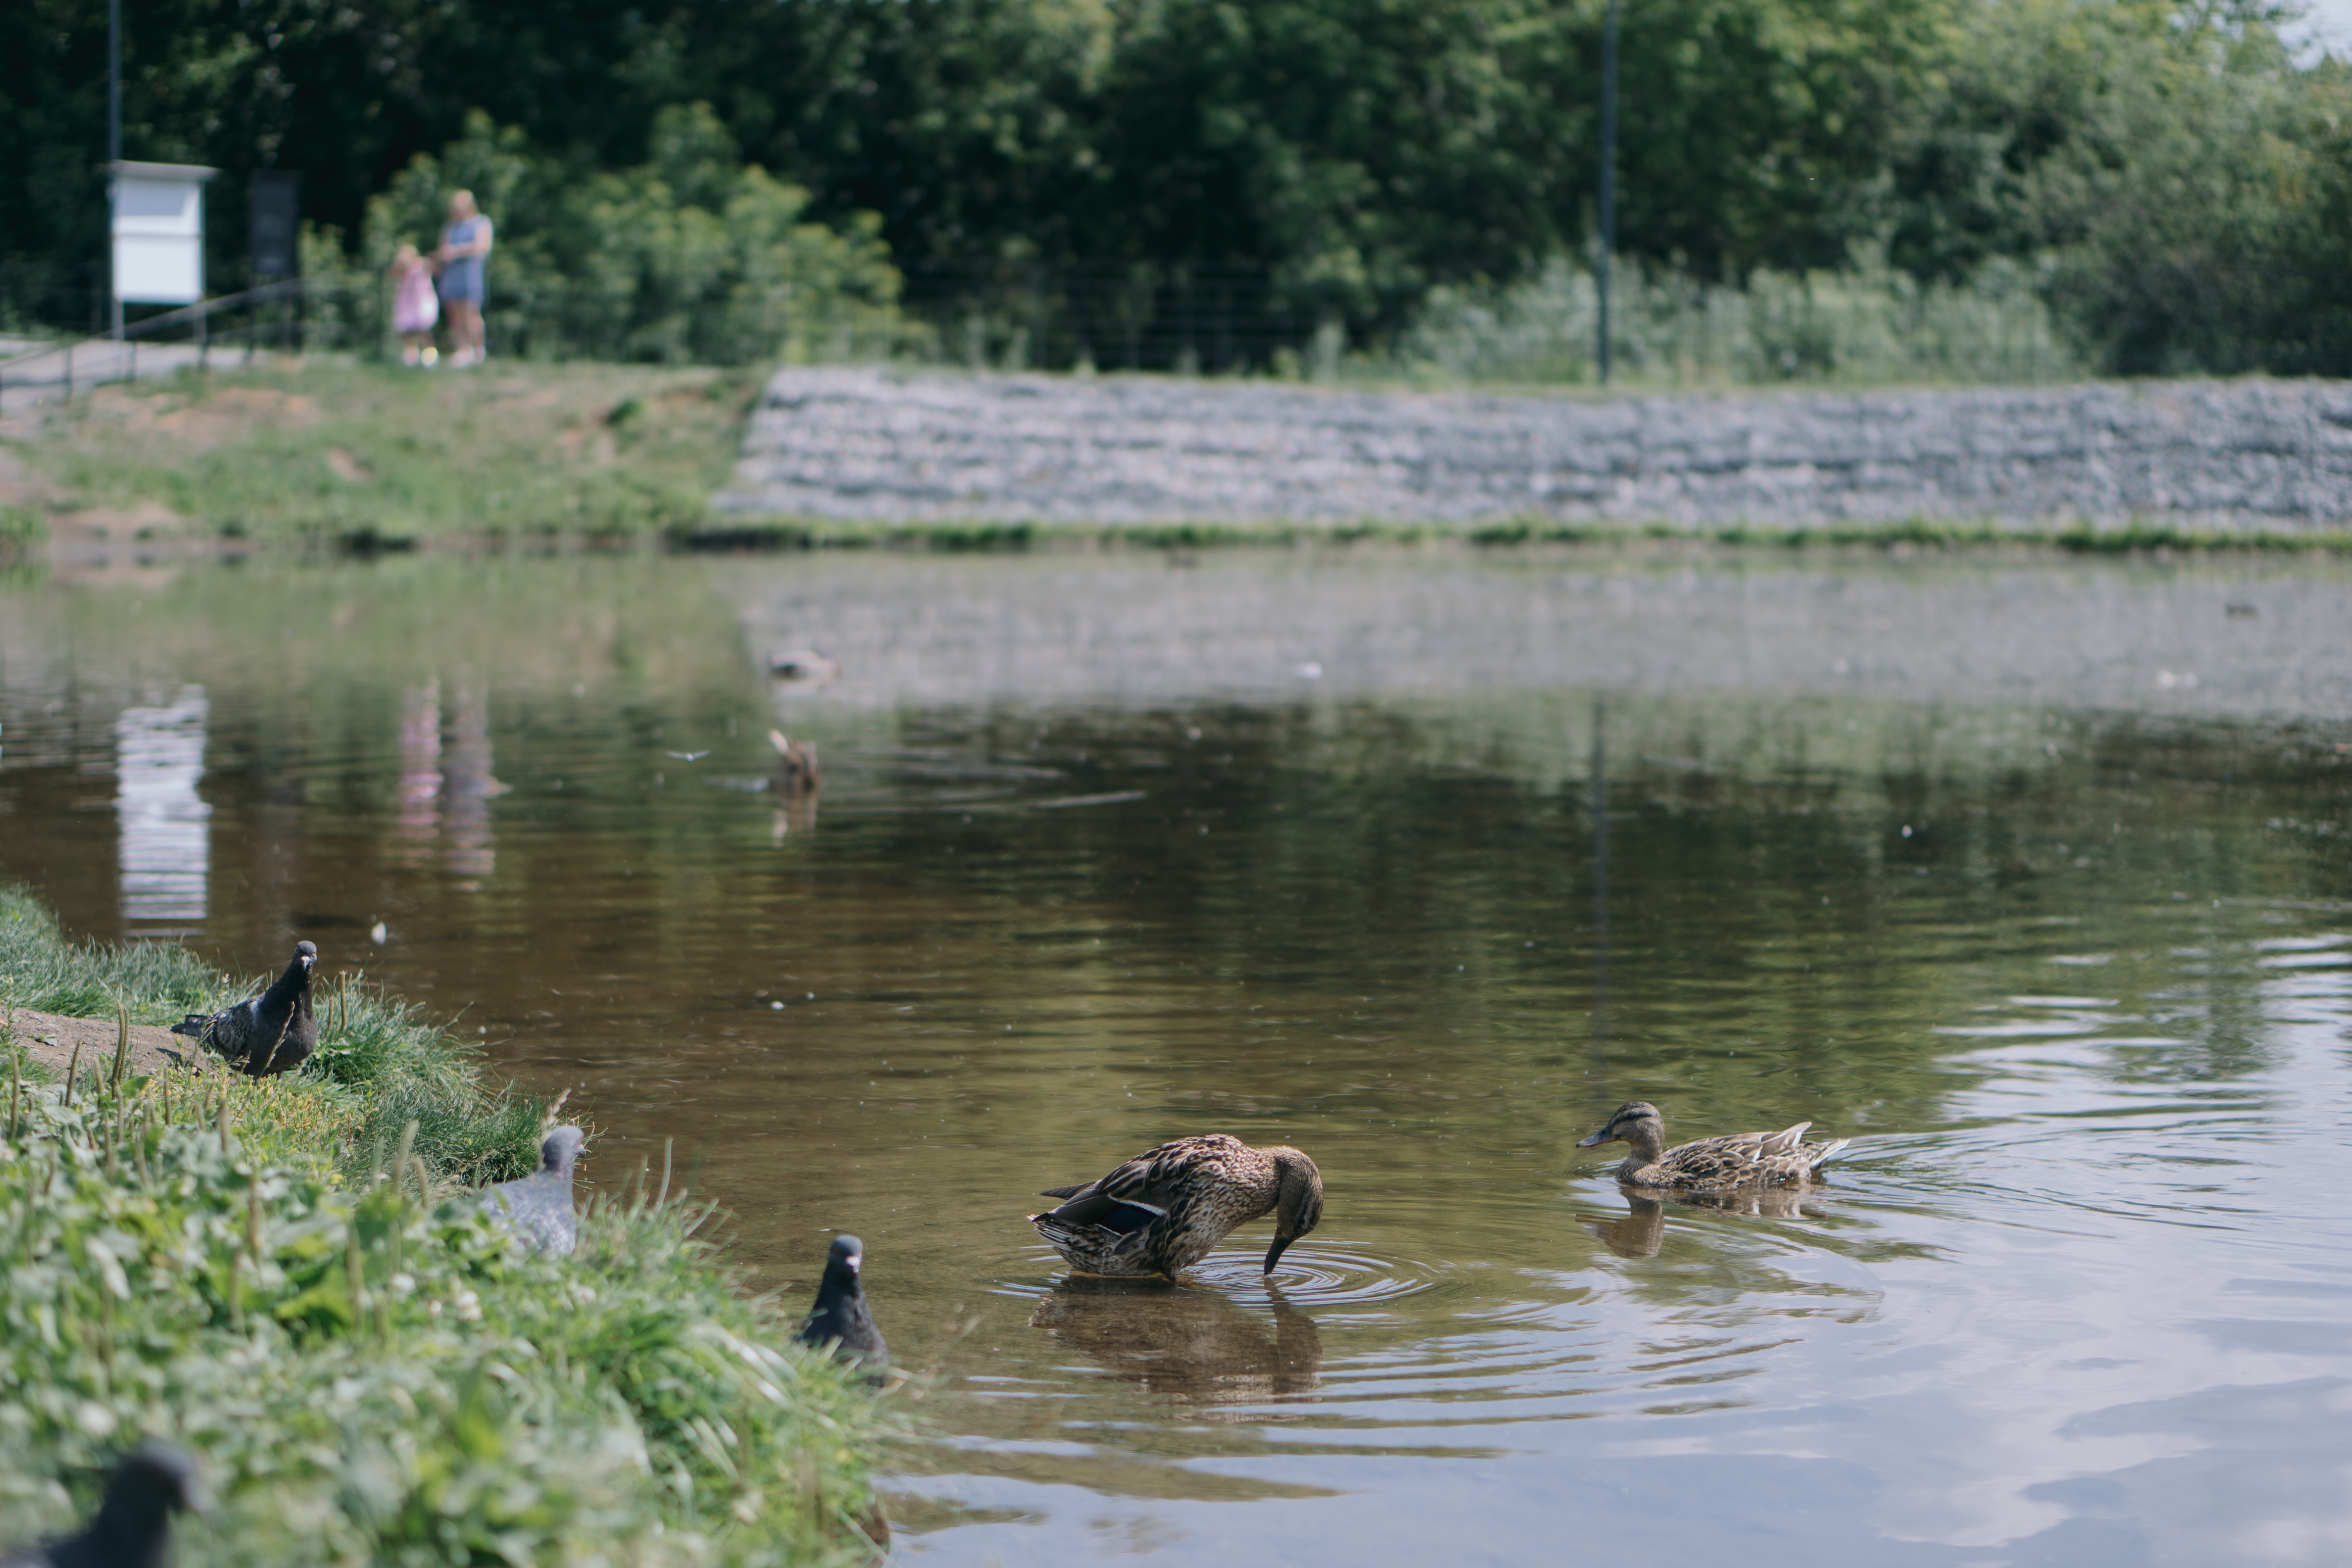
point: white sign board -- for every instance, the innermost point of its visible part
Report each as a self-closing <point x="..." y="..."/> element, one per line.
<point x="159" y="232"/>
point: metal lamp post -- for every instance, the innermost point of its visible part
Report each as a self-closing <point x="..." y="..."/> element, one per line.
<point x="114" y="140"/>
<point x="1608" y="179"/>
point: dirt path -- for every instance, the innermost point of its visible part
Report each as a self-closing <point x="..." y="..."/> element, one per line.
<point x="50" y="1038"/>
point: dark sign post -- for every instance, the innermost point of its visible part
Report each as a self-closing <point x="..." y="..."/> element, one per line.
<point x="277" y="224"/>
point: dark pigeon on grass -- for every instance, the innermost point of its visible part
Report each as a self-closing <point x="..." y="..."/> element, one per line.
<point x="133" y="1527"/>
<point x="538" y="1207"/>
<point x="840" y="1318"/>
<point x="272" y="1033"/>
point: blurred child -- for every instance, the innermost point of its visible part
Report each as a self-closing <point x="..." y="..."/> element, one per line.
<point x="416" y="308"/>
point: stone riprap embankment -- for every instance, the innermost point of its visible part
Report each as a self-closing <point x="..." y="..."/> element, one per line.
<point x="891" y="445"/>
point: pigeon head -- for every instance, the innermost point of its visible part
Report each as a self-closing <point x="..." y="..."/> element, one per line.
<point x="560" y="1148"/>
<point x="193" y="1026"/>
<point x="844" y="1260"/>
<point x="306" y="954"/>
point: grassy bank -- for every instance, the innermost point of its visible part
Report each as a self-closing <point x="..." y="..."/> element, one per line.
<point x="285" y="1276"/>
<point x="363" y="458"/>
<point x="333" y="452"/>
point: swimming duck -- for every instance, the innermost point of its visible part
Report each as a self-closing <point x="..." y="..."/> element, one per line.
<point x="272" y="1033"/>
<point x="797" y="771"/>
<point x="804" y="666"/>
<point x="1163" y="1210"/>
<point x="1711" y="1164"/>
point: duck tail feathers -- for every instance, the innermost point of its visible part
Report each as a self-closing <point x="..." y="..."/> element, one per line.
<point x="1828" y="1152"/>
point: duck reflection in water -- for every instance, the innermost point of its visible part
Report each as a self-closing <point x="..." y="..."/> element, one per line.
<point x="1184" y="1345"/>
<point x="1641" y="1231"/>
<point x="798" y="782"/>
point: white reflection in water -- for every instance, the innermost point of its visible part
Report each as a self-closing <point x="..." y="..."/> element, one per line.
<point x="467" y="787"/>
<point x="165" y="854"/>
<point x="446" y="792"/>
<point x="417" y="821"/>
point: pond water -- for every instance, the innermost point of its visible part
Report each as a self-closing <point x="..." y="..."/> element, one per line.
<point x="2033" y="879"/>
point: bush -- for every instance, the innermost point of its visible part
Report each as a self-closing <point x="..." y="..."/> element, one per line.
<point x="1866" y="324"/>
<point x="695" y="256"/>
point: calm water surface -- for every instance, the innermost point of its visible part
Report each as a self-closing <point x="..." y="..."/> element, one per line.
<point x="1422" y="864"/>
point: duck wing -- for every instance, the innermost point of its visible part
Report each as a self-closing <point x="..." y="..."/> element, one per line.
<point x="1712" y="1160"/>
<point x="1145" y="1189"/>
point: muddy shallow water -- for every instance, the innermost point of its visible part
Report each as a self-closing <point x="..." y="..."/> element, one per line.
<point x="2033" y="879"/>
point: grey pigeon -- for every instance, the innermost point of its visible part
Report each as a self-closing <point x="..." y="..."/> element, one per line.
<point x="538" y="1207"/>
<point x="133" y="1527"/>
<point x="839" y="1318"/>
<point x="267" y="1033"/>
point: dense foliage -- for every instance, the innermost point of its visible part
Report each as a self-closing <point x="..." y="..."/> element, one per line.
<point x="283" y="1277"/>
<point x="2177" y="184"/>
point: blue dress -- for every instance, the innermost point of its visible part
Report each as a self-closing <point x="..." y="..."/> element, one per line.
<point x="462" y="279"/>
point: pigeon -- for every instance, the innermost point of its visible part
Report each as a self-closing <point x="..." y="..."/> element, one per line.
<point x="271" y="1032"/>
<point x="133" y="1527"/>
<point x="538" y="1207"/>
<point x="839" y="1320"/>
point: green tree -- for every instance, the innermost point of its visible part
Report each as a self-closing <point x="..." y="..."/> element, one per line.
<point x="692" y="256"/>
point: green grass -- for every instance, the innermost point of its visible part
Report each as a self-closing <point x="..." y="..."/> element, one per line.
<point x="22" y="529"/>
<point x="39" y="968"/>
<point x="287" y="1277"/>
<point x="329" y="452"/>
<point x="372" y="459"/>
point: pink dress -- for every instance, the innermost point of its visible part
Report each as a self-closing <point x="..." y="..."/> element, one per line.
<point x="416" y="307"/>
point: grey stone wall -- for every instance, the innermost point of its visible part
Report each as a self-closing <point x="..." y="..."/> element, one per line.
<point x="898" y="446"/>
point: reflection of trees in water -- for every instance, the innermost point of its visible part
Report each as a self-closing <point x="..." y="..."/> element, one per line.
<point x="1186" y="1345"/>
<point x="1641" y="1230"/>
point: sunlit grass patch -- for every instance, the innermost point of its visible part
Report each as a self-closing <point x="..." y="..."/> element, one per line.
<point x="40" y="969"/>
<point x="368" y="458"/>
<point x="290" y="1276"/>
<point x="371" y="1376"/>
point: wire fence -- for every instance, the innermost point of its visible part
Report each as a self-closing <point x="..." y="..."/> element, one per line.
<point x="1859" y="325"/>
<point x="1189" y="317"/>
<point x="276" y="315"/>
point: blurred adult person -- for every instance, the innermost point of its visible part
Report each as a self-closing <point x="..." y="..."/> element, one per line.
<point x="415" y="307"/>
<point x="465" y="247"/>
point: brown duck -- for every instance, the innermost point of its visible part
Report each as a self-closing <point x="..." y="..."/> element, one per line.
<point x="1711" y="1164"/>
<point x="1163" y="1210"/>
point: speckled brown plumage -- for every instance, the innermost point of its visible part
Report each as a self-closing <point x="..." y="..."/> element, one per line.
<point x="1164" y="1209"/>
<point x="1710" y="1164"/>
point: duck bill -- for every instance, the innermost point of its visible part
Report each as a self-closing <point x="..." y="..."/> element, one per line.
<point x="1594" y="1141"/>
<point x="1273" y="1253"/>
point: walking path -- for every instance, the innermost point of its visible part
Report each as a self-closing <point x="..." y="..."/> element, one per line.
<point x="34" y="372"/>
